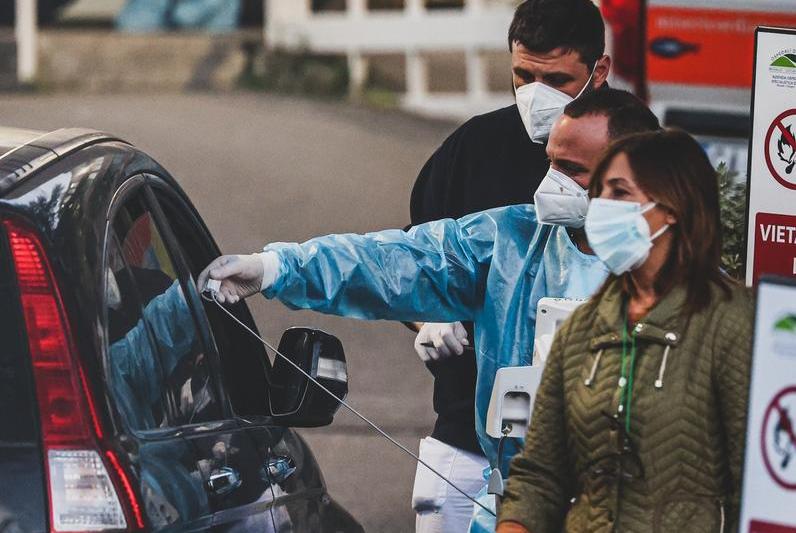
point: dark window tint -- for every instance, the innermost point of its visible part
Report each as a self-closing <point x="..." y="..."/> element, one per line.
<point x="163" y="361"/>
<point x="244" y="362"/>
<point x="135" y="372"/>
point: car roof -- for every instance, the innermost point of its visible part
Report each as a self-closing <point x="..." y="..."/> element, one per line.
<point x="22" y="152"/>
<point x="12" y="138"/>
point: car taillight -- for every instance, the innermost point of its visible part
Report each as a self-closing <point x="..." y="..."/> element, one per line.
<point x="626" y="21"/>
<point x="84" y="493"/>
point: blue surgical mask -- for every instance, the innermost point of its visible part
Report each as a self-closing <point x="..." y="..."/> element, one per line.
<point x="619" y="234"/>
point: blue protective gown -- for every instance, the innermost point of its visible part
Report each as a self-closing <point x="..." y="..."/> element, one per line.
<point x="490" y="268"/>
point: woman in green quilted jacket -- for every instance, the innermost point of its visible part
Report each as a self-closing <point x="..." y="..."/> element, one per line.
<point x="639" y="423"/>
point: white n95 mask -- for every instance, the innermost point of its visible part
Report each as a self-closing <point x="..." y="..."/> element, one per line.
<point x="540" y="106"/>
<point x="560" y="200"/>
<point x="619" y="234"/>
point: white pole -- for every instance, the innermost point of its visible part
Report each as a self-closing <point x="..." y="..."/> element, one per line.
<point x="474" y="6"/>
<point x="416" y="77"/>
<point x="356" y="8"/>
<point x="27" y="53"/>
<point x="477" y="86"/>
<point x="414" y="8"/>
<point x="357" y="73"/>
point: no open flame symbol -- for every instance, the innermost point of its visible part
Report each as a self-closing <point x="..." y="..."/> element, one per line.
<point x="787" y="149"/>
<point x="778" y="440"/>
<point x="780" y="147"/>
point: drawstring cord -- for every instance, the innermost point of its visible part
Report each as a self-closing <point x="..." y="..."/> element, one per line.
<point x="588" y="381"/>
<point x="662" y="369"/>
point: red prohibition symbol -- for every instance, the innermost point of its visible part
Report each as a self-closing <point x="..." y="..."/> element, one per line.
<point x="783" y="432"/>
<point x="786" y="151"/>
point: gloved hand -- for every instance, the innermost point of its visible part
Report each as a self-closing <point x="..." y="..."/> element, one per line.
<point x="448" y="339"/>
<point x="240" y="275"/>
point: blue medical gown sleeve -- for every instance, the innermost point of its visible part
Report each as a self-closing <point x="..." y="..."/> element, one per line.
<point x="434" y="272"/>
<point x="172" y="326"/>
<point x="137" y="378"/>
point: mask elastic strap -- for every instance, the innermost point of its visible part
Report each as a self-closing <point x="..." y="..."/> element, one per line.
<point x="588" y="83"/>
<point x="644" y="209"/>
<point x="647" y="207"/>
<point x="659" y="232"/>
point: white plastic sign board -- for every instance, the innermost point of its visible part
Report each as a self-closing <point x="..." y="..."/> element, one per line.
<point x="768" y="504"/>
<point x="771" y="237"/>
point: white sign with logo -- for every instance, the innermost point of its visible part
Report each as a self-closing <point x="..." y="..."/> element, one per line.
<point x="769" y="493"/>
<point x="771" y="242"/>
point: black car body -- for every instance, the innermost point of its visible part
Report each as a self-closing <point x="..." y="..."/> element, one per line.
<point x="127" y="401"/>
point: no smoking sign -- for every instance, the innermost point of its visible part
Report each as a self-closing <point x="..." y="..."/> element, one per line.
<point x="780" y="146"/>
<point x="778" y="438"/>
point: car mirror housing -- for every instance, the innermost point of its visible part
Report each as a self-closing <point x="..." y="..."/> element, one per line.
<point x="293" y="399"/>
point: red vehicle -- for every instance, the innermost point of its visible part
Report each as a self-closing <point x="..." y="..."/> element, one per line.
<point x="692" y="60"/>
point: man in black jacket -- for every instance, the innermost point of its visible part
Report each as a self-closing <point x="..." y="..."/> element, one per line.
<point x="557" y="54"/>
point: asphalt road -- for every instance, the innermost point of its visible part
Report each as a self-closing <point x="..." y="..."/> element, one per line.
<point x="265" y="168"/>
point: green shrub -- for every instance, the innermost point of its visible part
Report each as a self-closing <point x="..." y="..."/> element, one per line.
<point x="299" y="73"/>
<point x="732" y="204"/>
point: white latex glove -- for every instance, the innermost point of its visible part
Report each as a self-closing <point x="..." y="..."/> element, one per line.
<point x="448" y="339"/>
<point x="240" y="275"/>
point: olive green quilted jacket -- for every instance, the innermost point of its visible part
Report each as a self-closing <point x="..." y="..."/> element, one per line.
<point x="679" y="470"/>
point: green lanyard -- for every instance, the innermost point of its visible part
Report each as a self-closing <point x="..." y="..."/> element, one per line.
<point x="626" y="378"/>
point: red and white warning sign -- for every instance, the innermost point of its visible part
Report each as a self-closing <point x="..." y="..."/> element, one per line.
<point x="781" y="149"/>
<point x="775" y="245"/>
<point x="771" y="237"/>
<point x="759" y="526"/>
<point x="769" y="479"/>
<point x="778" y="438"/>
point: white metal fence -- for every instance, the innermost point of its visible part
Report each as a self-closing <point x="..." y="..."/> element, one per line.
<point x="480" y="26"/>
<point x="26" y="31"/>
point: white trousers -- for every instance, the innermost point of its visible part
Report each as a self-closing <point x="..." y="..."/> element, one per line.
<point x="439" y="507"/>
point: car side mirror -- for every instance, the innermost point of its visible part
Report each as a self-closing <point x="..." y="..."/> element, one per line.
<point x="293" y="399"/>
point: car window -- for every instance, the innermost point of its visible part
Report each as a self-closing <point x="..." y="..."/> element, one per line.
<point x="133" y="363"/>
<point x="244" y="362"/>
<point x="158" y="362"/>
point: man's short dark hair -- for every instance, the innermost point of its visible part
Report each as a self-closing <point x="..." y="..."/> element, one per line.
<point x="544" y="25"/>
<point x="626" y="113"/>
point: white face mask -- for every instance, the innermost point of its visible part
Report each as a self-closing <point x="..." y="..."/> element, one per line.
<point x="560" y="200"/>
<point x="540" y="106"/>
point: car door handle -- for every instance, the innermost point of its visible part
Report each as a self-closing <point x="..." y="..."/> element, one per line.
<point x="279" y="468"/>
<point x="224" y="480"/>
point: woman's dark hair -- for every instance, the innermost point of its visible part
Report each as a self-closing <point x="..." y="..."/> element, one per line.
<point x="544" y="25"/>
<point x="672" y="169"/>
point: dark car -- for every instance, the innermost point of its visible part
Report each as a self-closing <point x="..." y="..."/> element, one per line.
<point x="127" y="401"/>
